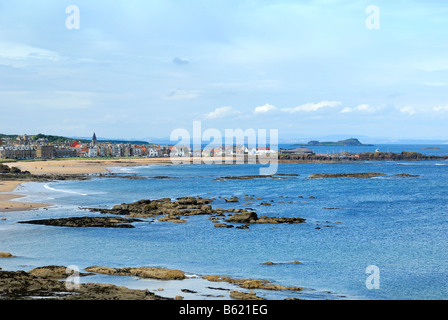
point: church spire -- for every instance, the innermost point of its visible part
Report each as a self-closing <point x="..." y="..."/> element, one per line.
<point x="94" y="140"/>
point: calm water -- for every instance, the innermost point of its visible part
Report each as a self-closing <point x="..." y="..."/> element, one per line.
<point x="397" y="224"/>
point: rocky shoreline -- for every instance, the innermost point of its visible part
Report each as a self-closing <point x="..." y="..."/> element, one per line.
<point x="54" y="283"/>
<point x="358" y="175"/>
<point x="21" y="285"/>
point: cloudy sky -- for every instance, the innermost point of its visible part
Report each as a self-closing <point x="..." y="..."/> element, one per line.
<point x="138" y="69"/>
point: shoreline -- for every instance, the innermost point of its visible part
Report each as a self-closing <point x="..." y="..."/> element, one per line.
<point x="97" y="166"/>
<point x="8" y="201"/>
<point x="200" y="288"/>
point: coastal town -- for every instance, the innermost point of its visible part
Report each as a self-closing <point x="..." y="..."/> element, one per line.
<point x="25" y="147"/>
<point x="33" y="147"/>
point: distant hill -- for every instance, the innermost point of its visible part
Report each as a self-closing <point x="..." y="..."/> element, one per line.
<point x="50" y="138"/>
<point x="61" y="139"/>
<point x="352" y="142"/>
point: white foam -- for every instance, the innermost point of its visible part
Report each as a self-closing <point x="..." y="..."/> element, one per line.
<point x="46" y="186"/>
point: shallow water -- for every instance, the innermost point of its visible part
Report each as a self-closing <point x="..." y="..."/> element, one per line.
<point x="398" y="224"/>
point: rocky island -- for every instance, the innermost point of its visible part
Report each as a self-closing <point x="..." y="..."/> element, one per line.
<point x="352" y="142"/>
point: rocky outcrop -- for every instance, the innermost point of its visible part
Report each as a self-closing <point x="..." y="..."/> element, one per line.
<point x="361" y="175"/>
<point x="184" y="206"/>
<point x="405" y="175"/>
<point x="238" y="295"/>
<point x="142" y="272"/>
<point x="269" y="263"/>
<point x="252" y="217"/>
<point x="251" y="283"/>
<point x="6" y="255"/>
<point x="251" y="177"/>
<point x="54" y="272"/>
<point x="244" y="217"/>
<point x="223" y="225"/>
<point x="166" y="210"/>
<point x="86" y="222"/>
<point x="20" y="285"/>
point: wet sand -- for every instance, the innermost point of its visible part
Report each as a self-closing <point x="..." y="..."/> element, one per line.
<point x="6" y="205"/>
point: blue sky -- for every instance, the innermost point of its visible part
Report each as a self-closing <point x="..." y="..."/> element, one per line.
<point x="138" y="69"/>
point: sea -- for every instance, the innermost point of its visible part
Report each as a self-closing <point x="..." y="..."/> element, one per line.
<point x="383" y="238"/>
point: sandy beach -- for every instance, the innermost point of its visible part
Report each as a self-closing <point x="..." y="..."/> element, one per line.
<point x="6" y="205"/>
<point x="63" y="167"/>
<point x="83" y="166"/>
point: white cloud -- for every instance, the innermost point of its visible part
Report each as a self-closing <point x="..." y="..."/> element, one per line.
<point x="311" y="107"/>
<point x="18" y="55"/>
<point x="264" y="109"/>
<point x="222" y="112"/>
<point x="361" y="107"/>
<point x="440" y="108"/>
<point x="409" y="110"/>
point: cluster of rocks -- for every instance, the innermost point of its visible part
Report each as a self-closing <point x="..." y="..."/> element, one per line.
<point x="252" y="284"/>
<point x="43" y="283"/>
<point x="252" y="217"/>
<point x="270" y="263"/>
<point x="86" y="222"/>
<point x="184" y="206"/>
<point x="359" y="175"/>
<point x="141" y="272"/>
<point x="166" y="210"/>
<point x="250" y="177"/>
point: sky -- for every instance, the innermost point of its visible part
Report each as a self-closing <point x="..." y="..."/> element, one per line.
<point x="141" y="69"/>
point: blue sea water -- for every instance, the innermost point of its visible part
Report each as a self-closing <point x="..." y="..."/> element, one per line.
<point x="398" y="224"/>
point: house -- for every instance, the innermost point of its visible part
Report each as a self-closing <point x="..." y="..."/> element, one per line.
<point x="92" y="152"/>
<point x="152" y="152"/>
<point x="179" y="151"/>
<point x="23" y="152"/>
<point x="75" y="144"/>
<point x="82" y="152"/>
<point x="64" y="153"/>
<point x="215" y="152"/>
<point x="45" y="152"/>
<point x="264" y="150"/>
